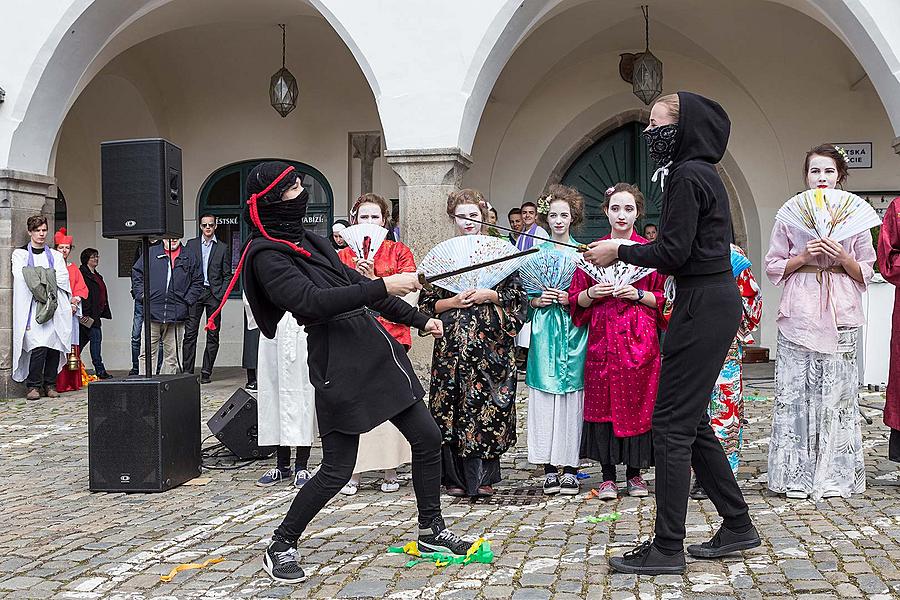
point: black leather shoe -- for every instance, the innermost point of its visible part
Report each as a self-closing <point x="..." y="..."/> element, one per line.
<point x="646" y="559"/>
<point x="697" y="491"/>
<point x="204" y="379"/>
<point x="725" y="541"/>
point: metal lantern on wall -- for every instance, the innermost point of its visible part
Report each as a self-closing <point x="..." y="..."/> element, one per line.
<point x="647" y="75"/>
<point x="283" y="90"/>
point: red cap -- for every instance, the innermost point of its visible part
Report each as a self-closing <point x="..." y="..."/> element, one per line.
<point x="60" y="237"/>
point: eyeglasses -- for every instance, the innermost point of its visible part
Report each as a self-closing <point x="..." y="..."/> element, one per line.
<point x="205" y="225"/>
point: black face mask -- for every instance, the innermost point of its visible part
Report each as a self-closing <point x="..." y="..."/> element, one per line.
<point x="661" y="142"/>
<point x="284" y="220"/>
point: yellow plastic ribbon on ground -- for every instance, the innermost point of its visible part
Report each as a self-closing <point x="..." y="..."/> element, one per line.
<point x="480" y="551"/>
<point x="186" y="566"/>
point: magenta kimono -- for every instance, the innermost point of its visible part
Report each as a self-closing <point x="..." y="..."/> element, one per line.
<point x="621" y="372"/>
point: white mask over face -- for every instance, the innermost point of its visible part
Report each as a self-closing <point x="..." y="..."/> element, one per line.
<point x="622" y="212"/>
<point x="559" y="218"/>
<point x="369" y="212"/>
<point x="463" y="225"/>
<point x="821" y="173"/>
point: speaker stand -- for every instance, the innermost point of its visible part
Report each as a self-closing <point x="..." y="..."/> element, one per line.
<point x="145" y="255"/>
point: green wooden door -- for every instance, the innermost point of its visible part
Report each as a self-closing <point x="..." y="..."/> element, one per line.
<point x="620" y="156"/>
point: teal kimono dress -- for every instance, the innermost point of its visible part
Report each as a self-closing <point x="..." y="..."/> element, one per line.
<point x="555" y="378"/>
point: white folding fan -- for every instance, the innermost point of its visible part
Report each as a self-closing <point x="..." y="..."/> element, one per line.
<point x="364" y="239"/>
<point x="828" y="213"/>
<point x="548" y="269"/>
<point x="466" y="250"/>
<point x="618" y="274"/>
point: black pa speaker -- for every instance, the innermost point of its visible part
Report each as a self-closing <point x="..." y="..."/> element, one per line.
<point x="142" y="189"/>
<point x="235" y="425"/>
<point x="143" y="433"/>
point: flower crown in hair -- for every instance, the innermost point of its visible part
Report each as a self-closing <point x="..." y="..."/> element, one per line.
<point x="610" y="191"/>
<point x="843" y="154"/>
<point x="543" y="204"/>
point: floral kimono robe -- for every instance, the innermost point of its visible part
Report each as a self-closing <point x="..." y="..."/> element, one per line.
<point x="726" y="408"/>
<point x="473" y="383"/>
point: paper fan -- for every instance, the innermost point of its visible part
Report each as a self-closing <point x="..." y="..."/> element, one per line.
<point x="828" y="213"/>
<point x="467" y="250"/>
<point x="364" y="239"/>
<point x="618" y="274"/>
<point x="548" y="269"/>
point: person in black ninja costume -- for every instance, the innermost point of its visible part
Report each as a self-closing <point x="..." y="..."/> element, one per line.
<point x="687" y="136"/>
<point x="289" y="269"/>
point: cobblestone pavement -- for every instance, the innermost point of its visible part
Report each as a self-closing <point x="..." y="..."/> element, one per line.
<point x="59" y="540"/>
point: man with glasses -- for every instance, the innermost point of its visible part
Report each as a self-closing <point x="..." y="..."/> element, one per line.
<point x="212" y="256"/>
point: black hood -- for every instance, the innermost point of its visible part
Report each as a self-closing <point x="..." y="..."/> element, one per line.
<point x="703" y="129"/>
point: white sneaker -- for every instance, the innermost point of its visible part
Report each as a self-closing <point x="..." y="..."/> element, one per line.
<point x="796" y="495"/>
<point x="350" y="488"/>
<point x="389" y="486"/>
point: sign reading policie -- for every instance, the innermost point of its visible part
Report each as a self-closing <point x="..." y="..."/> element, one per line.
<point x="859" y="154"/>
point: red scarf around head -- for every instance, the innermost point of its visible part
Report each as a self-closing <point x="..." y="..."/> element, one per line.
<point x="254" y="216"/>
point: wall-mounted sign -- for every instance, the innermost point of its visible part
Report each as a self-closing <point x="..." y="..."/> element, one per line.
<point x="859" y="154"/>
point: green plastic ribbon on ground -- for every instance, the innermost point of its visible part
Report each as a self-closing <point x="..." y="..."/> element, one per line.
<point x="480" y="552"/>
<point x="604" y="518"/>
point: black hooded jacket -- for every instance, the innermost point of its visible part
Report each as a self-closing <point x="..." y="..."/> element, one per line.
<point x="695" y="225"/>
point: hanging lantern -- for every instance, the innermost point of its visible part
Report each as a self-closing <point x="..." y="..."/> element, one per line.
<point x="647" y="75"/>
<point x="283" y="91"/>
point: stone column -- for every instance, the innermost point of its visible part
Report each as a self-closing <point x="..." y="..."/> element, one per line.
<point x="426" y="179"/>
<point x="21" y="196"/>
<point x="366" y="147"/>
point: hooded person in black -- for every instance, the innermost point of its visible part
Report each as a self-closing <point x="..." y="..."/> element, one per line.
<point x="693" y="245"/>
<point x="288" y="269"/>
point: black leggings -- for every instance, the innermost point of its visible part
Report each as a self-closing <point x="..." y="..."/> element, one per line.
<point x="339" y="459"/>
<point x="301" y="462"/>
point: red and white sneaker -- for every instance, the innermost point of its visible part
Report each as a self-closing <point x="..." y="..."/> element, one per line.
<point x="637" y="487"/>
<point x="608" y="490"/>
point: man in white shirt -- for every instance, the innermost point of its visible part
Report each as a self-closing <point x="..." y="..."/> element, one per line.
<point x="213" y="258"/>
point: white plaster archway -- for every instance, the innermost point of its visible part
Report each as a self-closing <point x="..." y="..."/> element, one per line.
<point x="93" y="32"/>
<point x="865" y="28"/>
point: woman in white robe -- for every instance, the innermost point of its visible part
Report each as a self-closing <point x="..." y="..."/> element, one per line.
<point x="285" y="401"/>
<point x="39" y="349"/>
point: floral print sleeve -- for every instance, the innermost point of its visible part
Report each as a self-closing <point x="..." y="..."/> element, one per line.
<point x="513" y="304"/>
<point x="751" y="298"/>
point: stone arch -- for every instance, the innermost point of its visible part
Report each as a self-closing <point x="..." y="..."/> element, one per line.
<point x="86" y="38"/>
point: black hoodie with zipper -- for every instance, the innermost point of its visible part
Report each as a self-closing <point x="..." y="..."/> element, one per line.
<point x="695" y="225"/>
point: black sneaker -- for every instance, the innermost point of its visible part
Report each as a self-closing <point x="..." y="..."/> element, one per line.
<point x="281" y="563"/>
<point x="204" y="378"/>
<point x="251" y="385"/>
<point x="725" y="541"/>
<point x="568" y="485"/>
<point x="646" y="559"/>
<point x="551" y="484"/>
<point x="440" y="539"/>
<point x="697" y="491"/>
<point x="133" y="371"/>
